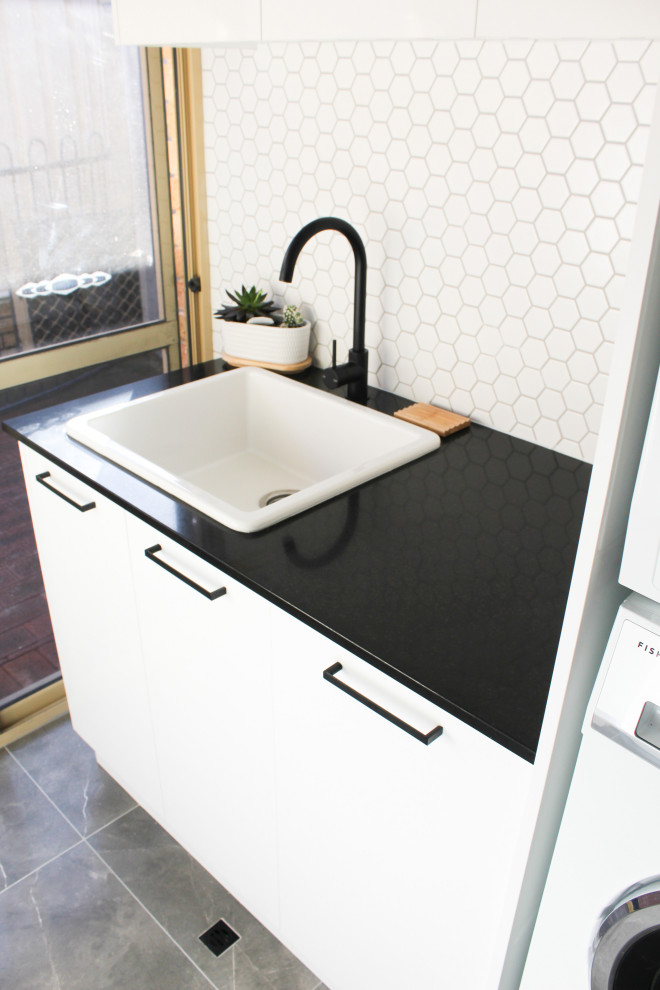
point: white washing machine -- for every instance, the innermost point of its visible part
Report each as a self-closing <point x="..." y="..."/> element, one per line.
<point x="599" y="923"/>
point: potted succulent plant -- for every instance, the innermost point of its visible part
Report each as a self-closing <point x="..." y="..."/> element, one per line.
<point x="254" y="330"/>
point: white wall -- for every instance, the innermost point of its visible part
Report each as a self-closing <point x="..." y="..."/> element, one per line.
<point x="494" y="184"/>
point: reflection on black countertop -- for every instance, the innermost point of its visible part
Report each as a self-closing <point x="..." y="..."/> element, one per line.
<point x="450" y="573"/>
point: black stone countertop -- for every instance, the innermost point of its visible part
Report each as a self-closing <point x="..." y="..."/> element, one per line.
<point x="450" y="573"/>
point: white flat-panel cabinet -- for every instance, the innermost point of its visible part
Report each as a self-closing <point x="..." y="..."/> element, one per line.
<point x="320" y="791"/>
<point x="214" y="22"/>
<point x="317" y="20"/>
<point x="81" y="539"/>
<point x="195" y="22"/>
<point x="206" y="644"/>
<point x="393" y="854"/>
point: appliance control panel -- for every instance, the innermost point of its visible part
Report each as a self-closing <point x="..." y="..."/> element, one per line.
<point x="627" y="702"/>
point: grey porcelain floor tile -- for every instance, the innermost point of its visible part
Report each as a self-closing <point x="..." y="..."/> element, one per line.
<point x="186" y="900"/>
<point x="73" y="926"/>
<point x="66" y="768"/>
<point x="32" y="831"/>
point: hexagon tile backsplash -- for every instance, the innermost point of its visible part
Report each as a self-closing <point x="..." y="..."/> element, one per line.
<point x="494" y="185"/>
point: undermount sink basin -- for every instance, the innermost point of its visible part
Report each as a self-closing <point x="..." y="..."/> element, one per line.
<point x="249" y="447"/>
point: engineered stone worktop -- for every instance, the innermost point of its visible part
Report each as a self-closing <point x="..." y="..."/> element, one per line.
<point x="450" y="573"/>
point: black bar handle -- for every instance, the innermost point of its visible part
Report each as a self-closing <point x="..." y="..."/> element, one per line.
<point x="425" y="737"/>
<point x="211" y="595"/>
<point x="41" y="478"/>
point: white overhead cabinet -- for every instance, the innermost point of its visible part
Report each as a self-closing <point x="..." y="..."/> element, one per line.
<point x="218" y="22"/>
<point x="83" y="552"/>
<point x="318" y="20"/>
<point x="186" y="22"/>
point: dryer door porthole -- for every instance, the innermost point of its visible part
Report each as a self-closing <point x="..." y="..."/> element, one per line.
<point x="626" y="950"/>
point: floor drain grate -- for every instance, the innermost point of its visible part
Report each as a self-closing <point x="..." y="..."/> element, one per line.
<point x="219" y="937"/>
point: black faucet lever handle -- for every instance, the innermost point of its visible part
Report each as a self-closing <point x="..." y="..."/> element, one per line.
<point x="334" y="352"/>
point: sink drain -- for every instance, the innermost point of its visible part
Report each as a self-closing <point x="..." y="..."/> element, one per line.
<point x="271" y="497"/>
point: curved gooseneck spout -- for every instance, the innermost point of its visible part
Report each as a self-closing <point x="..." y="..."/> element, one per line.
<point x="354" y="372"/>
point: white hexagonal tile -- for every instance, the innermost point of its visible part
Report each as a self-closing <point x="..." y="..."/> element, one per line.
<point x="527" y="411"/>
<point x="483" y="398"/>
<point x="583" y="367"/>
<point x="523" y="237"/>
<point x="509" y="361"/>
<point x="491" y="59"/>
<point x="602" y="234"/>
<point x="592" y="101"/>
<point x="490" y="340"/>
<point x="613" y="161"/>
<point x="557" y="155"/>
<point x="468" y="317"/>
<point x="530" y="383"/>
<point x="450" y="300"/>
<point x="538" y="98"/>
<point x="461" y="145"/>
<point x="426" y="336"/>
<point x="511" y="115"/>
<point x="495" y="184"/>
<point x="551" y="404"/>
<point x="486" y="131"/>
<point x="527" y="205"/>
<point x="488" y="95"/>
<point x="550" y="225"/>
<point x="501" y="218"/>
<point x="597" y="269"/>
<point x="542" y="291"/>
<point x="565" y="314"/>
<point x="445" y="357"/>
<point x="534" y="134"/>
<point x="625" y="82"/>
<point x="401" y="91"/>
<point x="598" y="61"/>
<point x="480" y="197"/>
<point x="507" y="150"/>
<point x="492" y="309"/>
<point x="467" y="75"/>
<point x="542" y="59"/>
<point x="568" y="280"/>
<point x="578" y="397"/>
<point x="477" y="230"/>
<point x="562" y="118"/>
<point x="567" y="80"/>
<point x="556" y="373"/>
<point x="619" y="122"/>
<point x="592" y="303"/>
<point x="587" y="139"/>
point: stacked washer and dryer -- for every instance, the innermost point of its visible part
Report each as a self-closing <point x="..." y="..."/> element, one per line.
<point x="598" y="927"/>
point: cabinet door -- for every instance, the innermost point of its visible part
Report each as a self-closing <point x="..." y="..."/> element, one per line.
<point x="208" y="662"/>
<point x="393" y="855"/>
<point x="315" y="20"/>
<point x="81" y="539"/>
<point x="196" y="22"/>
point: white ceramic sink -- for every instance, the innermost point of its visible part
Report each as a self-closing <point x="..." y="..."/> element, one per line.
<point x="225" y="444"/>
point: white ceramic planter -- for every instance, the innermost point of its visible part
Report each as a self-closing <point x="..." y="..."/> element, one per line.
<point x="270" y="344"/>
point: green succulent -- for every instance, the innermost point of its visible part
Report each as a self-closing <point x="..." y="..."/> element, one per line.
<point x="247" y="304"/>
<point x="292" y="317"/>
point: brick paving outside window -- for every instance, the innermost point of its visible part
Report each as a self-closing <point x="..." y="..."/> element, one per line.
<point x="27" y="648"/>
